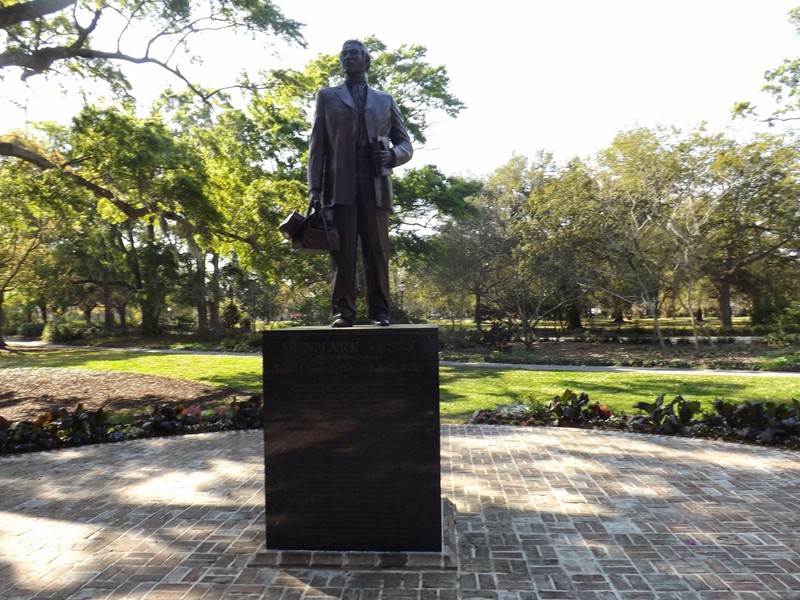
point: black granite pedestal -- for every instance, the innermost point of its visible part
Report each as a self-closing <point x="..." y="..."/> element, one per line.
<point x="351" y="439"/>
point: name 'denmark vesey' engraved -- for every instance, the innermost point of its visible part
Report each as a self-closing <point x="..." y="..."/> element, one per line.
<point x="349" y="347"/>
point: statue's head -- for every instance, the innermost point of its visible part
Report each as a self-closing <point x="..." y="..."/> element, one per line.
<point x="354" y="57"/>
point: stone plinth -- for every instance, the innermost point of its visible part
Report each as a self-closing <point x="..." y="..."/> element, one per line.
<point x="351" y="439"/>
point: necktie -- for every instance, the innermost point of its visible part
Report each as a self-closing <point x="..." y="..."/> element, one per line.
<point x="359" y="93"/>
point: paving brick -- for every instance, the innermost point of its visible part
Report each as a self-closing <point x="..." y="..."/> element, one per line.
<point x="540" y="513"/>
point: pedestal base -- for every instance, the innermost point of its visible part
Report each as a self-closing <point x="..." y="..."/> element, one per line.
<point x="351" y="439"/>
<point x="445" y="560"/>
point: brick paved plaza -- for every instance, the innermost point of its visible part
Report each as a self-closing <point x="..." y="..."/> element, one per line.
<point x="540" y="513"/>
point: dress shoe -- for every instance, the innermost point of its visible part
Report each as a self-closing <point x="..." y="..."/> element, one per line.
<point x="380" y="320"/>
<point x="342" y="322"/>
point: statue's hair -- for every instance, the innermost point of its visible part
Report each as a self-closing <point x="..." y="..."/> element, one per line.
<point x="360" y="45"/>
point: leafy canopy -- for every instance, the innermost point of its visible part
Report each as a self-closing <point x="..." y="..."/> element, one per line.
<point x="91" y="38"/>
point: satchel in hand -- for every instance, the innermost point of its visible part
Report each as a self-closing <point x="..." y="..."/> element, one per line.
<point x="312" y="234"/>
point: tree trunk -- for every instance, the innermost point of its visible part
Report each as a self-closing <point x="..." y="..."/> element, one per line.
<point x="2" y="320"/>
<point x="215" y="294"/>
<point x="42" y="306"/>
<point x="154" y="294"/>
<point x="201" y="302"/>
<point x="150" y="313"/>
<point x="618" y="314"/>
<point x="478" y="313"/>
<point x="108" y="317"/>
<point x="573" y="315"/>
<point x="724" y="303"/>
<point x="87" y="315"/>
<point x="123" y="320"/>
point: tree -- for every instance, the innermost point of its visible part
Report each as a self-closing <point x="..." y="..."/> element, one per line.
<point x="640" y="180"/>
<point x="93" y="270"/>
<point x="33" y="210"/>
<point x="419" y="88"/>
<point x="749" y="197"/>
<point x="425" y="199"/>
<point x="91" y="39"/>
<point x="469" y="260"/>
<point x="783" y="84"/>
<point x="80" y="40"/>
<point x="154" y="180"/>
<point x="561" y="233"/>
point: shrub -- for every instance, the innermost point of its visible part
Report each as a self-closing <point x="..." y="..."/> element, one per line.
<point x="668" y="419"/>
<point x="31" y="330"/>
<point x="456" y="338"/>
<point x="767" y="423"/>
<point x="61" y="428"/>
<point x="54" y="333"/>
<point x="498" y="336"/>
<point x="244" y="341"/>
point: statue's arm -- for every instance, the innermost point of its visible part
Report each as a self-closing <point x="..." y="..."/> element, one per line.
<point x="316" y="151"/>
<point x="401" y="141"/>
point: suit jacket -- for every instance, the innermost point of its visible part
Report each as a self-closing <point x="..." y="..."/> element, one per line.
<point x="331" y="157"/>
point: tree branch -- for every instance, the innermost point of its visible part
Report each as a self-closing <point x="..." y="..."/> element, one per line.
<point x="129" y="210"/>
<point x="39" y="61"/>
<point x="28" y="11"/>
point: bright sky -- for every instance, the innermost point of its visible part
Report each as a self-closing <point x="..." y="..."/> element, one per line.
<point x="563" y="76"/>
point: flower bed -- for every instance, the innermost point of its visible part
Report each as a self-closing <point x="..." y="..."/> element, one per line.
<point x="765" y="423"/>
<point x="63" y="428"/>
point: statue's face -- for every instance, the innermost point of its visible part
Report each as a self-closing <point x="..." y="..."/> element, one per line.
<point x="353" y="59"/>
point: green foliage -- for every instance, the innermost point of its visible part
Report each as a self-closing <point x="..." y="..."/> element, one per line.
<point x="231" y="315"/>
<point x="89" y="40"/>
<point x="783" y="84"/>
<point x="565" y="410"/>
<point x="767" y="423"/>
<point x="62" y="428"/>
<point x="31" y="330"/>
<point x="56" y="333"/>
<point x="569" y="407"/>
<point x="665" y="418"/>
<point x="456" y="338"/>
<point x="424" y="198"/>
<point x="497" y="335"/>
<point x="419" y="88"/>
<point x="56" y="429"/>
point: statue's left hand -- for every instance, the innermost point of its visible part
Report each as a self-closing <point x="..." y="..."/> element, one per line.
<point x="383" y="158"/>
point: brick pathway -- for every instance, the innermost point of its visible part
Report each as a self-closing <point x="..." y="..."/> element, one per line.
<point x="541" y="513"/>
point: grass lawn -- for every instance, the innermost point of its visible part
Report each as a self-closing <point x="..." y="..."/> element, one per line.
<point x="224" y="370"/>
<point x="467" y="389"/>
<point x="463" y="389"/>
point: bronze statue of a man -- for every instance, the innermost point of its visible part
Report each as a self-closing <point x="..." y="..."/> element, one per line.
<point x="356" y="138"/>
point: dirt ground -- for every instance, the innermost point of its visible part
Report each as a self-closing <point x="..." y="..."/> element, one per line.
<point x="26" y="393"/>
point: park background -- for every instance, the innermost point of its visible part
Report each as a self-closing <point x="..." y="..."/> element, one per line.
<point x="609" y="175"/>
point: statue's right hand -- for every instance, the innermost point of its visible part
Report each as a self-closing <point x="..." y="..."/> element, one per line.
<point x="314" y="199"/>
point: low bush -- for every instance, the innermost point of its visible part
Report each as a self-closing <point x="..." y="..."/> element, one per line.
<point x="54" y="333"/>
<point x="766" y="423"/>
<point x="244" y="341"/>
<point x="782" y="339"/>
<point x="62" y="428"/>
<point x="31" y="331"/>
<point x="456" y="338"/>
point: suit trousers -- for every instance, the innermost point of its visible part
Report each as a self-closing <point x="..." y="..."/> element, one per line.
<point x="370" y="224"/>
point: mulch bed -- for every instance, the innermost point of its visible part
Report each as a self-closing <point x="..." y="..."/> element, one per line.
<point x="26" y="393"/>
